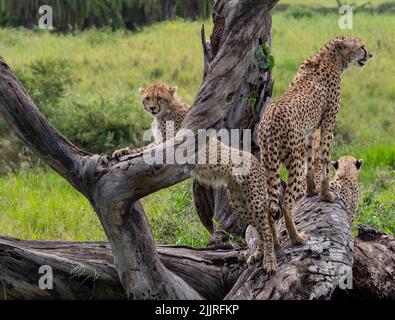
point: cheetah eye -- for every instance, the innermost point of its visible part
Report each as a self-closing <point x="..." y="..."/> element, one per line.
<point x="160" y="99"/>
<point x="146" y="99"/>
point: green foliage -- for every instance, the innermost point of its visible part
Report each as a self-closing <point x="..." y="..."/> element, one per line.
<point x="47" y="80"/>
<point x="173" y="218"/>
<point x="39" y="204"/>
<point x="378" y="211"/>
<point x="117" y="14"/>
<point x="265" y="59"/>
<point x="298" y="12"/>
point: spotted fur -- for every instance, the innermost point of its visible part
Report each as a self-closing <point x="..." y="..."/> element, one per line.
<point x="346" y="182"/>
<point x="310" y="102"/>
<point x="245" y="182"/>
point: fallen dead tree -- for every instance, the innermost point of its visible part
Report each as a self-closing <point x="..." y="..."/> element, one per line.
<point x="85" y="270"/>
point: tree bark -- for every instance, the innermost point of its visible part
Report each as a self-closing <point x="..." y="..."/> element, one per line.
<point x="85" y="270"/>
<point x="253" y="93"/>
<point x="114" y="187"/>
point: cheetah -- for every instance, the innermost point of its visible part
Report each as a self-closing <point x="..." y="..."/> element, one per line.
<point x="346" y="182"/>
<point x="162" y="102"/>
<point x="244" y="181"/>
<point x="285" y="132"/>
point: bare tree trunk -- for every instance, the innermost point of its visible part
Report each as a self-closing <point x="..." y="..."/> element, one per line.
<point x="252" y="95"/>
<point x="113" y="187"/>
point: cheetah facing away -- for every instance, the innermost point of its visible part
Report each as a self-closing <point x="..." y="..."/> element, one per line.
<point x="244" y="181"/>
<point x="346" y="182"/>
<point x="285" y="131"/>
<point x="162" y="102"/>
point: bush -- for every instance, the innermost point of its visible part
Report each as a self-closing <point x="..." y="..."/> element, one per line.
<point x="298" y="12"/>
<point x="102" y="125"/>
<point x="47" y="81"/>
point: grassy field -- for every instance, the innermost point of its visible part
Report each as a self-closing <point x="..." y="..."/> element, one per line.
<point x="106" y="70"/>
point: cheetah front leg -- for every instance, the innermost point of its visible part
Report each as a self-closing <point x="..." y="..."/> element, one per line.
<point x="125" y="151"/>
<point x="310" y="175"/>
<point x="257" y="207"/>
<point x="326" y="140"/>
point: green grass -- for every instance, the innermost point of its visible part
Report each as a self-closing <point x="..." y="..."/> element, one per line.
<point x="40" y="205"/>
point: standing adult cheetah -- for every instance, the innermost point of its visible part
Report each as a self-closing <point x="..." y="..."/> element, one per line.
<point x="310" y="102"/>
<point x="242" y="174"/>
<point x="162" y="102"/>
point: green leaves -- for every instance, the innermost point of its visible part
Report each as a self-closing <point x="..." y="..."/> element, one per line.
<point x="266" y="61"/>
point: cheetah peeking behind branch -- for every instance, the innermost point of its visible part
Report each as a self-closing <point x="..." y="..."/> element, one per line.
<point x="168" y="110"/>
<point x="310" y="102"/>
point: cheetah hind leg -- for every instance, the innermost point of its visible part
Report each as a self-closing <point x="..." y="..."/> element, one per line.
<point x="311" y="189"/>
<point x="237" y="202"/>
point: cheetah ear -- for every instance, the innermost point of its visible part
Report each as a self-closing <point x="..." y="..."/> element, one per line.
<point x="173" y="90"/>
<point x="141" y="90"/>
<point x="335" y="164"/>
<point x="359" y="163"/>
<point x="339" y="44"/>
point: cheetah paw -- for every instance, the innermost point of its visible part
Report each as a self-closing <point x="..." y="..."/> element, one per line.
<point x="311" y="192"/>
<point x="328" y="196"/>
<point x="300" y="239"/>
<point x="120" y="153"/>
<point x="270" y="265"/>
<point x="254" y="258"/>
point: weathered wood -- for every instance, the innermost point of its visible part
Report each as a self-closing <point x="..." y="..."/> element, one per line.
<point x="248" y="102"/>
<point x="85" y="270"/>
<point x="312" y="271"/>
<point x="374" y="266"/>
<point x="114" y="187"/>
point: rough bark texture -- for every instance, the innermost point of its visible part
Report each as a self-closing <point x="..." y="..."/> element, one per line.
<point x="374" y="265"/>
<point x="312" y="271"/>
<point x="253" y="93"/>
<point x="114" y="188"/>
<point x="85" y="270"/>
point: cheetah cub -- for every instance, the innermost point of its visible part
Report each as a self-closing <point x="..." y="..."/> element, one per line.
<point x="346" y="182"/>
<point x="162" y="102"/>
<point x="311" y="101"/>
<point x="244" y="177"/>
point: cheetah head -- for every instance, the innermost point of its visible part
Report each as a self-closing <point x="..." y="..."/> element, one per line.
<point x="156" y="97"/>
<point x="348" y="165"/>
<point x="352" y="50"/>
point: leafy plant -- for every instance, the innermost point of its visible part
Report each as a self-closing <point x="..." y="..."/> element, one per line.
<point x="265" y="58"/>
